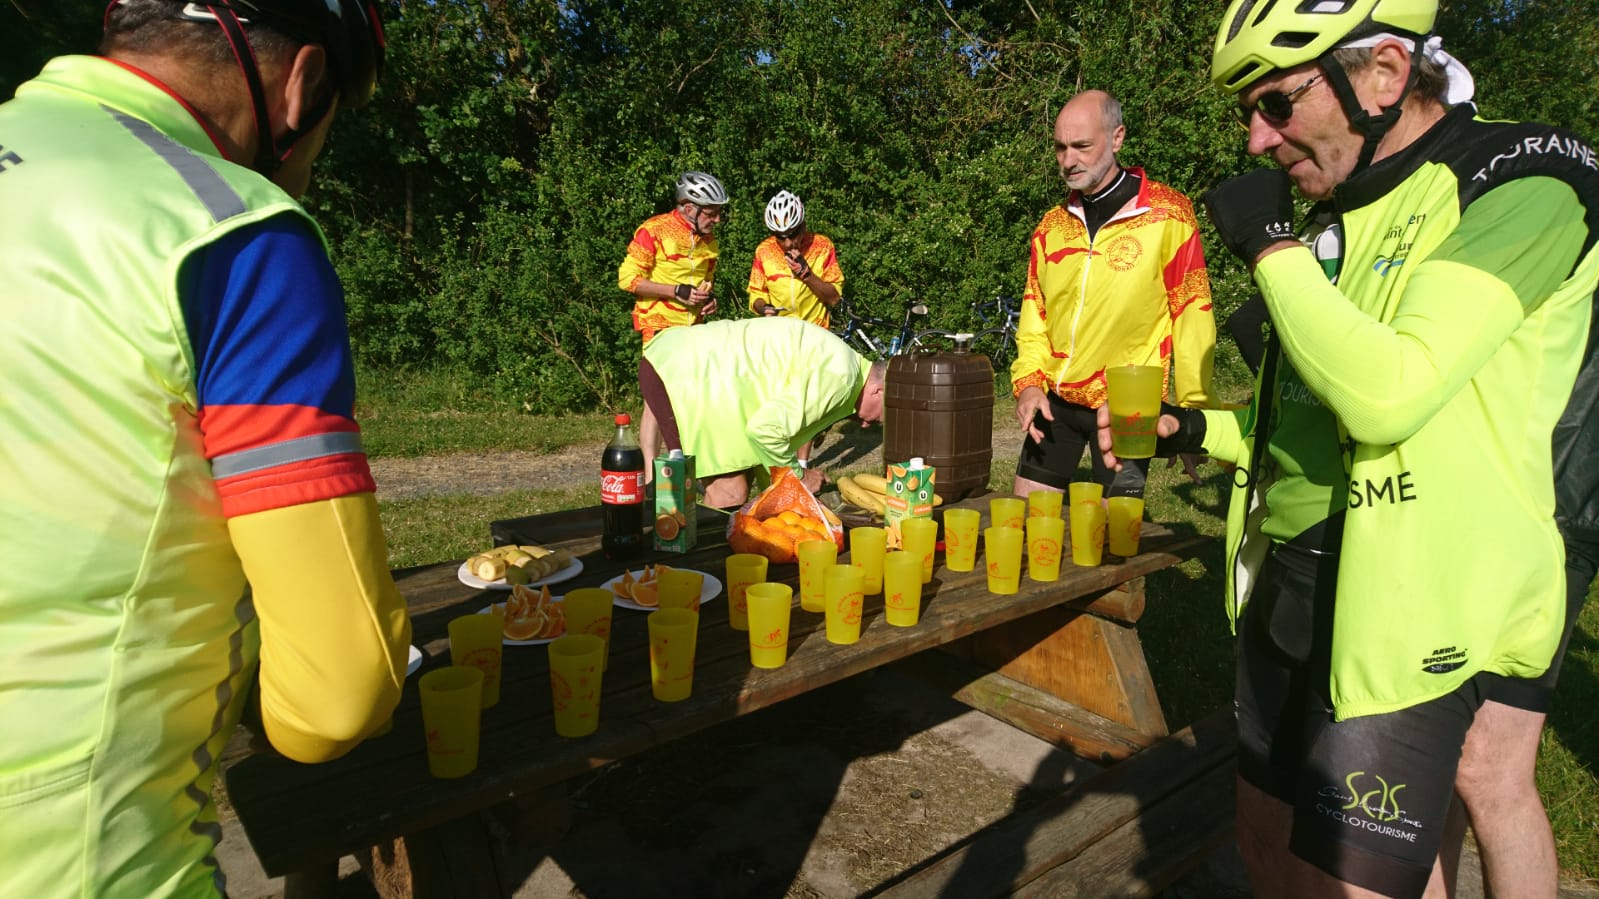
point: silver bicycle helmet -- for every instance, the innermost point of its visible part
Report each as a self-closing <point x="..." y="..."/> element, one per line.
<point x="784" y="212"/>
<point x="700" y="188"/>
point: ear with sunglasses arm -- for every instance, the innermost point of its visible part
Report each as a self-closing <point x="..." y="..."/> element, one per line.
<point x="1253" y="213"/>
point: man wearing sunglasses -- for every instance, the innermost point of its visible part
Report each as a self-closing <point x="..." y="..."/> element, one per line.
<point x="1116" y="276"/>
<point x="668" y="268"/>
<point x="796" y="272"/>
<point x="1392" y="541"/>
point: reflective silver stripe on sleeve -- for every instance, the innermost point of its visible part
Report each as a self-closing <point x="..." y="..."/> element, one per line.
<point x="221" y="200"/>
<point x="300" y="449"/>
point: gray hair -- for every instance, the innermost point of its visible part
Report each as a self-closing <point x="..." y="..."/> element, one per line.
<point x="154" y="27"/>
<point x="1432" y="81"/>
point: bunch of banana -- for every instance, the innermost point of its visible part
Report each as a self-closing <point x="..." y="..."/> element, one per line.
<point x="518" y="564"/>
<point x="857" y="494"/>
<point x="867" y="492"/>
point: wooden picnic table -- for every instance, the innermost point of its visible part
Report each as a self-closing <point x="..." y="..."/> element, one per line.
<point x="1060" y="660"/>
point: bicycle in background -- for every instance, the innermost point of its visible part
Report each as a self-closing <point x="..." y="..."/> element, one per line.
<point x="879" y="338"/>
<point x="994" y="336"/>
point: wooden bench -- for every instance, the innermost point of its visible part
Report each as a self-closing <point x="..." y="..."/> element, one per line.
<point x="423" y="836"/>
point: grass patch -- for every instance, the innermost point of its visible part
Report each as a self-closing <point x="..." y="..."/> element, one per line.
<point x="424" y="530"/>
<point x="409" y="413"/>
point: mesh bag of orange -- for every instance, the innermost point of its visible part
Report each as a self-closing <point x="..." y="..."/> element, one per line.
<point x="781" y="517"/>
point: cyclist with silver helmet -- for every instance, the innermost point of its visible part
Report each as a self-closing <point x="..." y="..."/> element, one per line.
<point x="1392" y="541"/>
<point x="796" y="270"/>
<point x="669" y="267"/>
<point x="188" y="507"/>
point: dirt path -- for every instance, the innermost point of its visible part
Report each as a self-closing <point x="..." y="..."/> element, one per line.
<point x="845" y="448"/>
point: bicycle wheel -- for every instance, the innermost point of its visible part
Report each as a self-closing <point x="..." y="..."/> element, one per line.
<point x="1000" y="348"/>
<point x="933" y="338"/>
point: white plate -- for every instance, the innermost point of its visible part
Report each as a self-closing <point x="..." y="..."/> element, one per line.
<point x="565" y="574"/>
<point x="486" y="610"/>
<point x="415" y="663"/>
<point x="708" y="590"/>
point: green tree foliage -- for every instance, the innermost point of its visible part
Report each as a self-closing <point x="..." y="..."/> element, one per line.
<point x="480" y="206"/>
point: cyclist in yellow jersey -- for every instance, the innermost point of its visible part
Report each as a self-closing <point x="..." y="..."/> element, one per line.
<point x="1115" y="276"/>
<point x="669" y="268"/>
<point x="187" y="504"/>
<point x="1395" y="536"/>
<point x="795" y="274"/>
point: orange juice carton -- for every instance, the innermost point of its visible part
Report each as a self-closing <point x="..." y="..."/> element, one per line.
<point x="675" y="503"/>
<point x="909" y="495"/>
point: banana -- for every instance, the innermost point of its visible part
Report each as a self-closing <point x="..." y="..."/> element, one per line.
<point x="873" y="482"/>
<point x="857" y="495"/>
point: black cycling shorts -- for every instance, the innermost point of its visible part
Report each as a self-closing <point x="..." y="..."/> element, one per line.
<point x="1054" y="460"/>
<point x="1534" y="694"/>
<point x="1369" y="795"/>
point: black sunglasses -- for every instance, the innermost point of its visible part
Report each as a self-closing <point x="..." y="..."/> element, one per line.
<point x="791" y="233"/>
<point x="1276" y="107"/>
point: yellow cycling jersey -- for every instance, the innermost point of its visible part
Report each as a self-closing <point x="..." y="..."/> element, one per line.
<point x="1136" y="293"/>
<point x="665" y="250"/>
<point x="772" y="282"/>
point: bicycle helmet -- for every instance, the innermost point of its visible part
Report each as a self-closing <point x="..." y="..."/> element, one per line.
<point x="700" y="188"/>
<point x="1258" y="37"/>
<point x="350" y="31"/>
<point x="784" y="212"/>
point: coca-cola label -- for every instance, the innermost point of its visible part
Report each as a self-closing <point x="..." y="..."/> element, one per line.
<point x="622" y="488"/>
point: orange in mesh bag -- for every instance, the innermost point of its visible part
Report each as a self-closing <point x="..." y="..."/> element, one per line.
<point x="783" y="516"/>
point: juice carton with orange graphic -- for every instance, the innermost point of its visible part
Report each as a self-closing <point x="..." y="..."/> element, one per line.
<point x="675" y="503"/>
<point x="909" y="495"/>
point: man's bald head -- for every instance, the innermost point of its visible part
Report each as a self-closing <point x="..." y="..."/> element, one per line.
<point x="1088" y="134"/>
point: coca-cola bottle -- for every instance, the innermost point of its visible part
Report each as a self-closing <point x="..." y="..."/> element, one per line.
<point x="622" y="494"/>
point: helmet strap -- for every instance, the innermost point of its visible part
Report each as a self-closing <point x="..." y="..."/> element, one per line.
<point x="267" y="159"/>
<point x="1372" y="127"/>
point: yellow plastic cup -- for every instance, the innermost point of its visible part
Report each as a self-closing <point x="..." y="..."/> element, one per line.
<point x="1044" y="538"/>
<point x="902" y="589"/>
<point x="866" y="549"/>
<point x="920" y="538"/>
<point x="1133" y="394"/>
<point x="960" y="538"/>
<point x="577" y="663"/>
<point x="1044" y="503"/>
<point x="673" y="633"/>
<point x="844" y="600"/>
<point x="588" y="611"/>
<point x="743" y="569"/>
<point x="814" y="557"/>
<point x="1126" y="519"/>
<point x="680" y="588"/>
<point x="1085" y="492"/>
<point x="452" y="707"/>
<point x="1088" y="533"/>
<point x="1002" y="548"/>
<point x="769" y="608"/>
<point x="477" y="641"/>
<point x="1007" y="512"/>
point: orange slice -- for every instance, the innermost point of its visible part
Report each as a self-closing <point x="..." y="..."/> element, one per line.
<point x="525" y="628"/>
<point x="666" y="527"/>
<point x="645" y="594"/>
<point x="624" y="587"/>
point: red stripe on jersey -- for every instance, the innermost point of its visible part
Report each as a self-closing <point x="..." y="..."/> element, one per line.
<point x="231" y="429"/>
<point x="281" y="486"/>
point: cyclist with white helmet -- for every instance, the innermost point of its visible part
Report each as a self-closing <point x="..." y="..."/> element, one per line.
<point x="1392" y="541"/>
<point x="796" y="271"/>
<point x="187" y="505"/>
<point x="669" y="269"/>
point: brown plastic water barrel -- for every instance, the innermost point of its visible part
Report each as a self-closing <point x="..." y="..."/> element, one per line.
<point x="940" y="406"/>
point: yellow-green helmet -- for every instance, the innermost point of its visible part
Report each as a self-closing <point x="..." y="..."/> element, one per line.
<point x="1257" y="37"/>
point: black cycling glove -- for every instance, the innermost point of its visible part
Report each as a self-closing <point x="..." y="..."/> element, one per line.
<point x="1190" y="436"/>
<point x="1252" y="211"/>
<point x="684" y="294"/>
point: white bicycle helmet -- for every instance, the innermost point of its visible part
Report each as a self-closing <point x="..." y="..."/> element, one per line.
<point x="784" y="212"/>
<point x="700" y="188"/>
